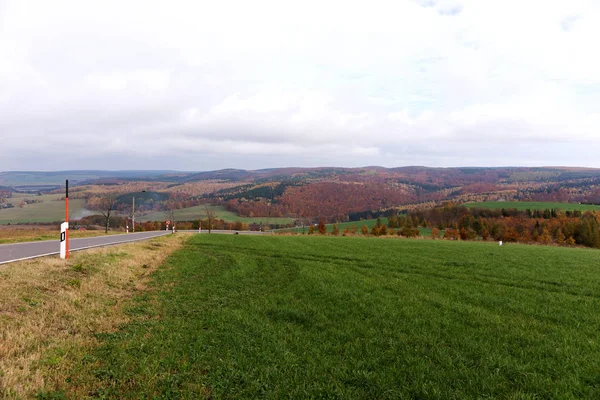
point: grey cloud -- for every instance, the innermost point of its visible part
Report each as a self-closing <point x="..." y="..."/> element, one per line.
<point x="170" y="88"/>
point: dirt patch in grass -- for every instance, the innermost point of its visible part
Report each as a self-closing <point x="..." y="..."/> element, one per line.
<point x="51" y="310"/>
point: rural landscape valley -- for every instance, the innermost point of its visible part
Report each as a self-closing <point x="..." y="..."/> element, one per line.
<point x="393" y="199"/>
<point x="372" y="283"/>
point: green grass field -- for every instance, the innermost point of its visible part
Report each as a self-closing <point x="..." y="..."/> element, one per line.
<point x="333" y="317"/>
<point x="49" y="210"/>
<point x="424" y="232"/>
<point x="342" y="225"/>
<point x="533" y="205"/>
<point x="193" y="213"/>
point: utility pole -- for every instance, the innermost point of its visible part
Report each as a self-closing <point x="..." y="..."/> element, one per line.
<point x="133" y="214"/>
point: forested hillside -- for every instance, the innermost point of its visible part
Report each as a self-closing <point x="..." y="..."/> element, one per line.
<point x="331" y="194"/>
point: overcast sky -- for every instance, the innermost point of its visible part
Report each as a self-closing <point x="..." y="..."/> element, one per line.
<point x="202" y="85"/>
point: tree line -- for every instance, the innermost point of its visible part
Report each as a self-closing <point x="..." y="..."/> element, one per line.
<point x="510" y="225"/>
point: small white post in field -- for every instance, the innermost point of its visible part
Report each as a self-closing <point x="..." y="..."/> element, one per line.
<point x="500" y="243"/>
<point x="64" y="227"/>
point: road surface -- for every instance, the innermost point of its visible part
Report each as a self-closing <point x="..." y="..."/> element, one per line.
<point x="27" y="250"/>
<point x="24" y="251"/>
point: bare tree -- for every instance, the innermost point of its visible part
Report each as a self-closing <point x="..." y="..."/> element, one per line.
<point x="106" y="204"/>
<point x="210" y="215"/>
<point x="170" y="214"/>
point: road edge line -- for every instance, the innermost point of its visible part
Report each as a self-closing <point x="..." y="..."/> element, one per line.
<point x="80" y="248"/>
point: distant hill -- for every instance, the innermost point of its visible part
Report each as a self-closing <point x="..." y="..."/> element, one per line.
<point x="332" y="193"/>
<point x="24" y="179"/>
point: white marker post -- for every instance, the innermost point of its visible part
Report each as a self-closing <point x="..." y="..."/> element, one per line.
<point x="500" y="243"/>
<point x="64" y="227"/>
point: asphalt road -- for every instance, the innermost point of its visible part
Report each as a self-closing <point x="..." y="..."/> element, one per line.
<point x="24" y="251"/>
<point x="27" y="250"/>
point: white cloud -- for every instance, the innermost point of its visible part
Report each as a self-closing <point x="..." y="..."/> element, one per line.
<point x="266" y="83"/>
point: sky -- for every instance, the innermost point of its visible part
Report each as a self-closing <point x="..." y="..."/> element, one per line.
<point x="204" y="85"/>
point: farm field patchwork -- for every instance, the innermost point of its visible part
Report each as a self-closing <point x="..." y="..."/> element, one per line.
<point x="533" y="205"/>
<point x="49" y="209"/>
<point x="334" y="317"/>
<point x="194" y="213"/>
<point x="342" y="225"/>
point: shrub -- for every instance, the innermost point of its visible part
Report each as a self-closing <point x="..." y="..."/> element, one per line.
<point x="336" y="230"/>
<point x="322" y="227"/>
<point x="409" y="232"/>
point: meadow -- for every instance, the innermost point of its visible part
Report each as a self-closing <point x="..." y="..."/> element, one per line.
<point x="341" y="226"/>
<point x="424" y="232"/>
<point x="49" y="209"/>
<point x="231" y="316"/>
<point x="199" y="212"/>
<point x="533" y="205"/>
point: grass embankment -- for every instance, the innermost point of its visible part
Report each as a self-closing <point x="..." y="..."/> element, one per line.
<point x="199" y="212"/>
<point x="18" y="235"/>
<point x="532" y="205"/>
<point x="297" y="317"/>
<point x="48" y="210"/>
<point x="51" y="310"/>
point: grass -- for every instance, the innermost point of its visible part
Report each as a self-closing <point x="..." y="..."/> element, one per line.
<point x="52" y="310"/>
<point x="424" y="232"/>
<point x="32" y="234"/>
<point x="332" y="317"/>
<point x="49" y="210"/>
<point x="194" y="213"/>
<point x="342" y="225"/>
<point x="533" y="205"/>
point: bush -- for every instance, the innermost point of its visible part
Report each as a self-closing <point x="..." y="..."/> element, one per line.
<point x="409" y="232"/>
<point x="322" y="227"/>
<point x="336" y="230"/>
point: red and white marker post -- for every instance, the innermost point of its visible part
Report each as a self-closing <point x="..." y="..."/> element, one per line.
<point x="64" y="227"/>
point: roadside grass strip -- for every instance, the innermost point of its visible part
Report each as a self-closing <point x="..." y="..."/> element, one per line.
<point x="52" y="310"/>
